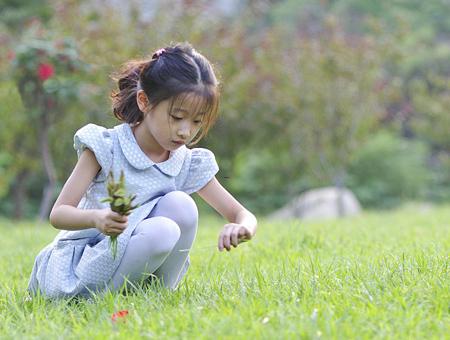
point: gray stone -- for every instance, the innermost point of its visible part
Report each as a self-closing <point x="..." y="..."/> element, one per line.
<point x="322" y="203"/>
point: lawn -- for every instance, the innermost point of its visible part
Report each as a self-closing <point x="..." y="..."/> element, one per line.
<point x="379" y="275"/>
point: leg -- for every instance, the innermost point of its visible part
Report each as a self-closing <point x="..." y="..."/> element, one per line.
<point x="150" y="244"/>
<point x="181" y="208"/>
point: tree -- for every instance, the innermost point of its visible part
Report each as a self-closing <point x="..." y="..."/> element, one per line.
<point x="42" y="71"/>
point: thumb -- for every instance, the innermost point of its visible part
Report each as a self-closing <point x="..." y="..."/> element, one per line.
<point x="244" y="234"/>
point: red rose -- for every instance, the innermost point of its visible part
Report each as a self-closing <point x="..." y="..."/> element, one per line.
<point x="45" y="71"/>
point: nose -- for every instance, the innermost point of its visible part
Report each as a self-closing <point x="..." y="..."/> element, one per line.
<point x="184" y="131"/>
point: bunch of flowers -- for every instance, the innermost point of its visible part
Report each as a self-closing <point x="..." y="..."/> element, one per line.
<point x="119" y="202"/>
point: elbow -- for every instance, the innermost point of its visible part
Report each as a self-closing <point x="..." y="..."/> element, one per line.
<point x="53" y="218"/>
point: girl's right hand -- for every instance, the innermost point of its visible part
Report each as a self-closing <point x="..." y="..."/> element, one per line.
<point x="109" y="222"/>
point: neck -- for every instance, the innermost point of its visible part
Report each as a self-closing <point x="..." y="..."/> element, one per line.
<point x="149" y="145"/>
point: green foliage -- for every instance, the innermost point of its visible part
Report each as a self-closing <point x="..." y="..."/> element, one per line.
<point x="14" y="14"/>
<point x="388" y="170"/>
<point x="332" y="105"/>
<point x="42" y="68"/>
<point x="301" y="80"/>
<point x="267" y="180"/>
<point x="259" y="181"/>
<point x="439" y="189"/>
<point x="45" y="70"/>
<point x="18" y="141"/>
<point x="431" y="101"/>
<point x="5" y="161"/>
<point x="119" y="201"/>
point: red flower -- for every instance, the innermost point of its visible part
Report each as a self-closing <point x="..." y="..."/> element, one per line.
<point x="119" y="315"/>
<point x="45" y="71"/>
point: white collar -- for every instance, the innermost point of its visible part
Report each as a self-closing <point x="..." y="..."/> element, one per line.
<point x="138" y="159"/>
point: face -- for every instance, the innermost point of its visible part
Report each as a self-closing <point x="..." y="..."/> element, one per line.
<point x="172" y="129"/>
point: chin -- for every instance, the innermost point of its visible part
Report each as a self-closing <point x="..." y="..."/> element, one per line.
<point x="173" y="147"/>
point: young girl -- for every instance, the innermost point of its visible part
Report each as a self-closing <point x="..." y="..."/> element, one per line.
<point x="165" y="103"/>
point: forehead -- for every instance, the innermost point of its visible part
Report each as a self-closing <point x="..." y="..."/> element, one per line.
<point x="190" y="104"/>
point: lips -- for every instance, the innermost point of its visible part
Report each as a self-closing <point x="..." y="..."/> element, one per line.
<point x="178" y="142"/>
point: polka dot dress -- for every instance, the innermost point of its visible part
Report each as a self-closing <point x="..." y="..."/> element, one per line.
<point x="80" y="262"/>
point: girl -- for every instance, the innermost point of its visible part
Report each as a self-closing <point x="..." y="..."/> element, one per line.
<point x="165" y="103"/>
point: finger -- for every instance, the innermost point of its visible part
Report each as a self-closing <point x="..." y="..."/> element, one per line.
<point x="121" y="228"/>
<point x="110" y="233"/>
<point x="119" y="218"/>
<point x="116" y="227"/>
<point x="116" y="231"/>
<point x="222" y="238"/>
<point x="234" y="237"/>
<point x="220" y="242"/>
<point x="226" y="238"/>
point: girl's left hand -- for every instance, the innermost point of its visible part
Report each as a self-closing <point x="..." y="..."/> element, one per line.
<point x="232" y="234"/>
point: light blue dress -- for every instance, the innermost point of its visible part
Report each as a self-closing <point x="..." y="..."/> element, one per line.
<point x="80" y="262"/>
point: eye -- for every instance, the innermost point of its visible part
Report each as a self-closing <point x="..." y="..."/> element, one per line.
<point x="197" y="121"/>
<point x="176" y="117"/>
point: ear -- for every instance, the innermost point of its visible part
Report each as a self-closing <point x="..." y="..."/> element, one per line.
<point x="142" y="100"/>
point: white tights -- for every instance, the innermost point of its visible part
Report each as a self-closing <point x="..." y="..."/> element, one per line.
<point x="154" y="247"/>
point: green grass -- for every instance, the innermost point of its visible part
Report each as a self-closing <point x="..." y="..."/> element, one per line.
<point x="380" y="275"/>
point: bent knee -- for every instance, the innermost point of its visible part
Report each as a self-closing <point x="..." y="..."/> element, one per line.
<point x="180" y="197"/>
<point x="183" y="209"/>
<point x="163" y="233"/>
<point x="168" y="227"/>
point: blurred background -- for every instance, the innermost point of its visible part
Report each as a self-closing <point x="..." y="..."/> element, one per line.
<point x="344" y="93"/>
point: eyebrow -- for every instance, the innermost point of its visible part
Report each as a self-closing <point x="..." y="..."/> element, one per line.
<point x="179" y="109"/>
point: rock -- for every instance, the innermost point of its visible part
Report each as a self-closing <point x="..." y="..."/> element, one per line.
<point x="322" y="203"/>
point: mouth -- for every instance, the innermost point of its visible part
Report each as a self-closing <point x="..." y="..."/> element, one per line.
<point x="179" y="143"/>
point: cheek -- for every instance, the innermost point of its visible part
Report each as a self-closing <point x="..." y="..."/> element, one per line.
<point x="197" y="129"/>
<point x="194" y="133"/>
<point x="159" y="130"/>
<point x="163" y="126"/>
<point x="165" y="131"/>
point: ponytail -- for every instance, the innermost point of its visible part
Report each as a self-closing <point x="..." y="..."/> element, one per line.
<point x="124" y="103"/>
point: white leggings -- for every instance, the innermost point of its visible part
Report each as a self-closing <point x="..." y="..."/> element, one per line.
<point x="154" y="247"/>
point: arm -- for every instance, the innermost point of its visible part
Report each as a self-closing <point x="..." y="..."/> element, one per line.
<point x="66" y="215"/>
<point x="243" y="223"/>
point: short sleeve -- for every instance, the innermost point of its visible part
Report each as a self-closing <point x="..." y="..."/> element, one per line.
<point x="202" y="169"/>
<point x="98" y="140"/>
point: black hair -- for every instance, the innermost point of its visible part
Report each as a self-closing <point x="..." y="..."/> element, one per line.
<point x="174" y="73"/>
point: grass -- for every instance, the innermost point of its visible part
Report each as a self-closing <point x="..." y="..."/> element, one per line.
<point x="379" y="275"/>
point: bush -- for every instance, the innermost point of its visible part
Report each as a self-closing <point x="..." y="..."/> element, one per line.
<point x="264" y="181"/>
<point x="252" y="176"/>
<point x="439" y="189"/>
<point x="388" y="170"/>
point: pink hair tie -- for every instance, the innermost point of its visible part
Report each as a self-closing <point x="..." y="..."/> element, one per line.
<point x="158" y="53"/>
